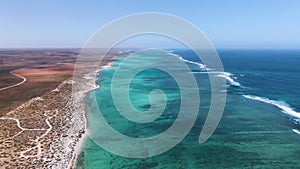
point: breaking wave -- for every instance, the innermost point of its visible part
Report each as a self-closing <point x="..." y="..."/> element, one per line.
<point x="202" y="66"/>
<point x="231" y="79"/>
<point x="228" y="76"/>
<point x="285" y="108"/>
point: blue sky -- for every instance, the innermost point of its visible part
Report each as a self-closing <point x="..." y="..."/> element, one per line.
<point x="228" y="24"/>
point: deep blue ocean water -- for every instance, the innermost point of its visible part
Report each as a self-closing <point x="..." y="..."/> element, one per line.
<point x="259" y="127"/>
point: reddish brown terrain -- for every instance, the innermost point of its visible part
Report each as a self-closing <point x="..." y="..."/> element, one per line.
<point x="44" y="69"/>
<point x="41" y="124"/>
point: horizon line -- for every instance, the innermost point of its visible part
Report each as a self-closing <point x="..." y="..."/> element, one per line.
<point x="217" y="48"/>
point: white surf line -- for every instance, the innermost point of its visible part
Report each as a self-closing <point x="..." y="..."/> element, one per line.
<point x="296" y="131"/>
<point x="37" y="140"/>
<point x="202" y="66"/>
<point x="284" y="107"/>
<point x="11" y="86"/>
<point x="228" y="76"/>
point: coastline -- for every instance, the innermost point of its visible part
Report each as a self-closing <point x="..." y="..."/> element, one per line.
<point x="94" y="86"/>
<point x="60" y="131"/>
<point x="264" y="133"/>
<point x="56" y="121"/>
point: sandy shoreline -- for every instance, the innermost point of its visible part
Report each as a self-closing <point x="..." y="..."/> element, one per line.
<point x="81" y="141"/>
<point x="50" y="130"/>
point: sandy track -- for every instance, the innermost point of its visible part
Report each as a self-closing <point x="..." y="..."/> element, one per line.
<point x="11" y="86"/>
<point x="38" y="146"/>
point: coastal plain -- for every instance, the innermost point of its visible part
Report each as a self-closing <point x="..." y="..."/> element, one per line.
<point x="41" y="125"/>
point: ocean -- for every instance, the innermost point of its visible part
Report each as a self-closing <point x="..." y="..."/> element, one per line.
<point x="259" y="127"/>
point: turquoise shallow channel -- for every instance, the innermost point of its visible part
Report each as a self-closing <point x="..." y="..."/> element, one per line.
<point x="259" y="127"/>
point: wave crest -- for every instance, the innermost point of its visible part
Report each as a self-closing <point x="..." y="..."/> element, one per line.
<point x="202" y="66"/>
<point x="228" y="76"/>
<point x="285" y="108"/>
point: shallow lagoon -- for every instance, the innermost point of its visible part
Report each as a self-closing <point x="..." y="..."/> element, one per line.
<point x="251" y="134"/>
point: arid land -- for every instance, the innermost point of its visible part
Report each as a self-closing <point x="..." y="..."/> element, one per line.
<point x="43" y="69"/>
<point x="41" y="125"/>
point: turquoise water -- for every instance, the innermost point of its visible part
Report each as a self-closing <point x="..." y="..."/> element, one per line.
<point x="258" y="128"/>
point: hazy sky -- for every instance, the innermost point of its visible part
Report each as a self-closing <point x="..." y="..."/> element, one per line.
<point x="227" y="23"/>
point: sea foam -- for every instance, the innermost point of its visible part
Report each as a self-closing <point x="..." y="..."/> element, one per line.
<point x="202" y="66"/>
<point x="296" y="131"/>
<point x="228" y="76"/>
<point x="285" y="108"/>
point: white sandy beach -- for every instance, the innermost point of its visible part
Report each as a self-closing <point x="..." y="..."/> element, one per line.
<point x="90" y="82"/>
